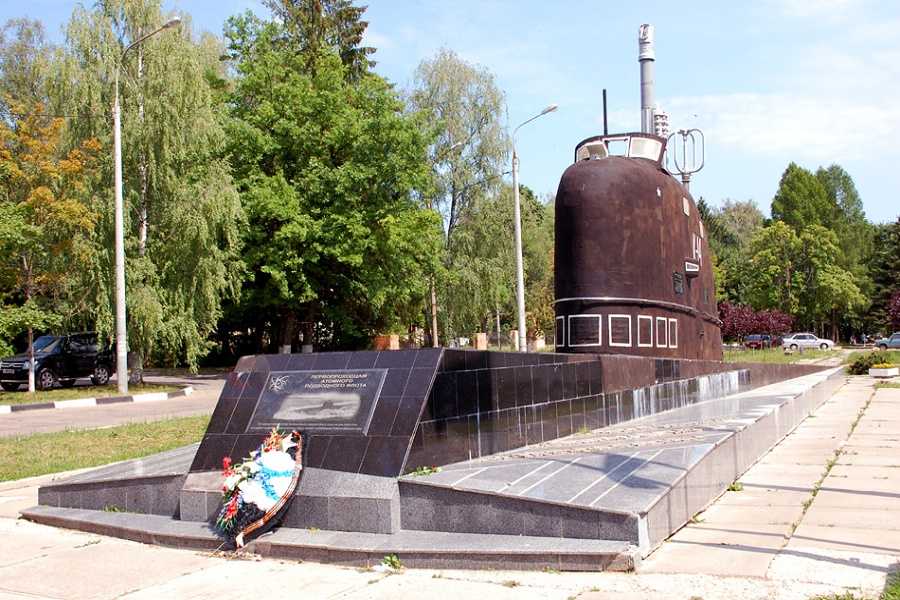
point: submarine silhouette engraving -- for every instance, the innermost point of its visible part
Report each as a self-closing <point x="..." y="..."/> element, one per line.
<point x="632" y="263"/>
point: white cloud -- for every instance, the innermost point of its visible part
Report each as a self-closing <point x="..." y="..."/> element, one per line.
<point x="817" y="128"/>
<point x="376" y="40"/>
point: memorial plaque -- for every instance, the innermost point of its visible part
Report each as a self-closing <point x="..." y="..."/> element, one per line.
<point x="336" y="400"/>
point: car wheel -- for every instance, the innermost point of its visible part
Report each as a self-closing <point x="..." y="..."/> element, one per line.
<point x="823" y="346"/>
<point x="882" y="347"/>
<point x="67" y="383"/>
<point x="45" y="379"/>
<point x="10" y="387"/>
<point x="794" y="347"/>
<point x="101" y="375"/>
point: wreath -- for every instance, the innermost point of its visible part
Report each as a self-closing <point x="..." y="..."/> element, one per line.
<point x="257" y="492"/>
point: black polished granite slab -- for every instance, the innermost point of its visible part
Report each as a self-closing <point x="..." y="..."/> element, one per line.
<point x="486" y="403"/>
<point x="385" y="413"/>
<point x="374" y="440"/>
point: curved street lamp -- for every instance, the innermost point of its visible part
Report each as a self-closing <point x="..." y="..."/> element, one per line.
<point x="121" y="332"/>
<point x="520" y="270"/>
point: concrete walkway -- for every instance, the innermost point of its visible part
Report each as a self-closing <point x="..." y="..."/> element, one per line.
<point x="821" y="507"/>
<point x="202" y="401"/>
<point x="745" y="547"/>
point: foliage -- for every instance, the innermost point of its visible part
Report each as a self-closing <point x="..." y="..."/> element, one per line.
<point x="392" y="562"/>
<point x="801" y="199"/>
<point x="740" y="320"/>
<point x="24" y="66"/>
<point x="182" y="211"/>
<point x="800" y="274"/>
<point x="316" y="25"/>
<point x="482" y="282"/>
<point x="327" y="171"/>
<point x="861" y="364"/>
<point x="884" y="268"/>
<point x="774" y="252"/>
<point x="894" y="310"/>
<point x="463" y="108"/>
<point x="46" y="221"/>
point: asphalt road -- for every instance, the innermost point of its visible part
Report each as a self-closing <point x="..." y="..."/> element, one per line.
<point x="206" y="392"/>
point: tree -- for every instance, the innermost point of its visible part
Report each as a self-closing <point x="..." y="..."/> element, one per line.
<point x="801" y="200"/>
<point x="481" y="287"/>
<point x="774" y="253"/>
<point x="740" y="320"/>
<point x="327" y="169"/>
<point x="463" y="107"/>
<point x="24" y="65"/>
<point x="894" y="310"/>
<point x="312" y="26"/>
<point x="183" y="214"/>
<point x="826" y="288"/>
<point x="800" y="275"/>
<point x="45" y="220"/>
<point x="884" y="267"/>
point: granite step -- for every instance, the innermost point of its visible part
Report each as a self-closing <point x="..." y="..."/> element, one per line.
<point x="415" y="549"/>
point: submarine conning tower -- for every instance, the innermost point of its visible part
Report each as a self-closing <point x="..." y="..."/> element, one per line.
<point x="632" y="268"/>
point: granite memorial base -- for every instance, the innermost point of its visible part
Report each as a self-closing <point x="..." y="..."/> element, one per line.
<point x="463" y="459"/>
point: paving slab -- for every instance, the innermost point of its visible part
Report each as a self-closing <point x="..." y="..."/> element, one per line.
<point x="117" y="567"/>
<point x="736" y="515"/>
<point x="260" y="579"/>
<point x="861" y="518"/>
<point x="841" y="537"/>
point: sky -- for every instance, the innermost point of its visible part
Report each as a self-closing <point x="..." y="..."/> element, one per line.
<point x="768" y="82"/>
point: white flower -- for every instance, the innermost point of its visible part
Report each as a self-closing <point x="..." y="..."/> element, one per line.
<point x="232" y="481"/>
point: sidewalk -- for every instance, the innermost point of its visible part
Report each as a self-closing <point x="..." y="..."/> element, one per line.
<point x="819" y="508"/>
<point x="746" y="547"/>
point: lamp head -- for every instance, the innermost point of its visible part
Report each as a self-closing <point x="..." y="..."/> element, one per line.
<point x="550" y="109"/>
<point x="173" y="22"/>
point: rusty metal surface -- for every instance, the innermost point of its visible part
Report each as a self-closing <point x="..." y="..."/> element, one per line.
<point x="622" y="240"/>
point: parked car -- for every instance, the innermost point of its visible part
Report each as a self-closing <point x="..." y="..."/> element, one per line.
<point x="889" y="342"/>
<point x="59" y="359"/>
<point x="758" y="341"/>
<point x="796" y="341"/>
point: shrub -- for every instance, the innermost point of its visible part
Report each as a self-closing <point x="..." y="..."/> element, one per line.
<point x="883" y="366"/>
<point x="862" y="363"/>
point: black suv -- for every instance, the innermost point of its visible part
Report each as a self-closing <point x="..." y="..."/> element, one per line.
<point x="60" y="359"/>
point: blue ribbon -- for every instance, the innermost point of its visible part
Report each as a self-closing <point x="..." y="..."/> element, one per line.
<point x="265" y="474"/>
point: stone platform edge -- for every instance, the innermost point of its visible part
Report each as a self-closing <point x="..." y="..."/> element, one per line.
<point x="82" y="402"/>
<point x="415" y="549"/>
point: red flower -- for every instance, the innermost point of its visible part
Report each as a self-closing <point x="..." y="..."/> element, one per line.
<point x="226" y="463"/>
<point x="232" y="508"/>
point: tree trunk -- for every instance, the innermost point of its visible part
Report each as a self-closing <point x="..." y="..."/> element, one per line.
<point x="30" y="360"/>
<point x="434" y="321"/>
<point x="499" y="339"/>
<point x="142" y="166"/>
<point x="289" y="328"/>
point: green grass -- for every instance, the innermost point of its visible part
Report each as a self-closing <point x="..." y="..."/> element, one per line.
<point x="43" y="453"/>
<point x="891" y="591"/>
<point x="774" y="355"/>
<point x="887" y="356"/>
<point x="73" y="393"/>
<point x="889" y="385"/>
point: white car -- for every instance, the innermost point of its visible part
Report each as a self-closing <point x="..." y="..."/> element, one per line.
<point x="796" y="341"/>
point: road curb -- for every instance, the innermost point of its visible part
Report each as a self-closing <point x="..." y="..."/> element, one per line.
<point x="82" y="402"/>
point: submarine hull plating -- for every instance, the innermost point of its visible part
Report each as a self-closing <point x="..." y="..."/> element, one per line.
<point x="632" y="273"/>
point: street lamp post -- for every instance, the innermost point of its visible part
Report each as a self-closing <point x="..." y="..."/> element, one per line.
<point x="520" y="269"/>
<point x="121" y="331"/>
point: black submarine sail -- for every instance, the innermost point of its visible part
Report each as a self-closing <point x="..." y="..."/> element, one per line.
<point x="632" y="268"/>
